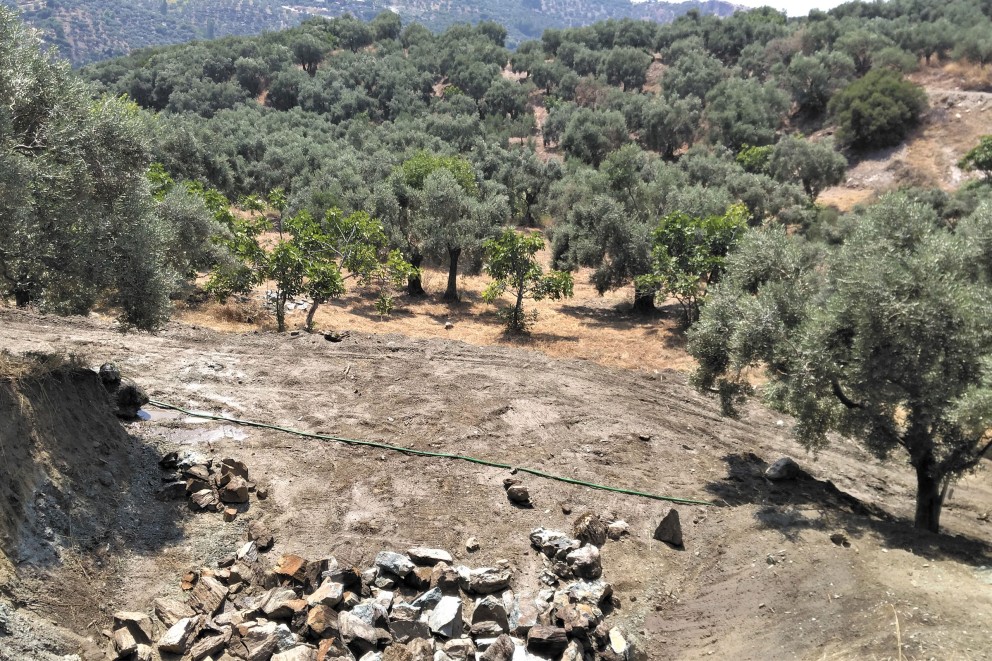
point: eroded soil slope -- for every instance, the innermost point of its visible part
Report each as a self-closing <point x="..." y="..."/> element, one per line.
<point x="759" y="577"/>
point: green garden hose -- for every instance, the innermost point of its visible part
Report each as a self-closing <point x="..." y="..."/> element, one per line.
<point x="424" y="453"/>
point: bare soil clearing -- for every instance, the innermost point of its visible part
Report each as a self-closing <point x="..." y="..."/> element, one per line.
<point x="759" y="577"/>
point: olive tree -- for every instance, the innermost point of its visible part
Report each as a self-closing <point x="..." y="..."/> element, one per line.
<point x="884" y="338"/>
<point x="78" y="219"/>
<point x="814" y="164"/>
<point x="979" y="157"/>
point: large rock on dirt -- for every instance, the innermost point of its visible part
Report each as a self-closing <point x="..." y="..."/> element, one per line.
<point x="670" y="529"/>
<point x="395" y="563"/>
<point x="179" y="638"/>
<point x="444" y="578"/>
<point x="125" y="394"/>
<point x="206" y="499"/>
<point x="292" y="566"/>
<point x="259" y="533"/>
<point x="260" y="640"/>
<point x="783" y="469"/>
<point x="446" y="618"/>
<point x="322" y="621"/>
<point x="281" y="603"/>
<point x="589" y="528"/>
<point x="429" y="557"/>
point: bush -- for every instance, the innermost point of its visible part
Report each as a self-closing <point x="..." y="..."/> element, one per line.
<point x="877" y="110"/>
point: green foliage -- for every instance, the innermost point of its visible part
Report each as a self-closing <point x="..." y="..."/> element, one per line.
<point x="979" y="157"/>
<point x="591" y="134"/>
<point x="814" y="164"/>
<point x="418" y="168"/>
<point x="743" y="111"/>
<point x="626" y="66"/>
<point x="79" y="223"/>
<point x="877" y="110"/>
<point x="689" y="255"/>
<point x="510" y="260"/>
<point x="883" y="338"/>
<point x="754" y="159"/>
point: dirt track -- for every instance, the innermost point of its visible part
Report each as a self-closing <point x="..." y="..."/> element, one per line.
<point x="759" y="578"/>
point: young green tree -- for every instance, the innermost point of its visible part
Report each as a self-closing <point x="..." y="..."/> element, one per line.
<point x="511" y="263"/>
<point x="884" y="339"/>
<point x="689" y="254"/>
<point x="979" y="157"/>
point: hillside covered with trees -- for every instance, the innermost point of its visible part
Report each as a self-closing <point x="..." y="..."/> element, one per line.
<point x="90" y="30"/>
<point x="680" y="161"/>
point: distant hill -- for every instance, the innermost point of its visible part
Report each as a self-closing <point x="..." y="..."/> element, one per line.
<point x="90" y="30"/>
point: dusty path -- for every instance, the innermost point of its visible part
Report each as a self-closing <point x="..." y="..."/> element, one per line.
<point x="759" y="577"/>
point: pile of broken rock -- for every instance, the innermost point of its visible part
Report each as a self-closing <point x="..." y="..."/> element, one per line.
<point x="213" y="485"/>
<point x="413" y="606"/>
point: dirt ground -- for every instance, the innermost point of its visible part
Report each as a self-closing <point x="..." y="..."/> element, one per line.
<point x="759" y="577"/>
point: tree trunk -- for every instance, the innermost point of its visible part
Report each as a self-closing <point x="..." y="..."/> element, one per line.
<point x="281" y="311"/>
<point x="22" y="297"/>
<point x="451" y="293"/>
<point x="517" y="322"/>
<point x="310" y="314"/>
<point x="929" y="499"/>
<point x="643" y="302"/>
<point x="414" y="284"/>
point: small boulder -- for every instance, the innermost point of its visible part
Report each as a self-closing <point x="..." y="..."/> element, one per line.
<point x="397" y="563"/>
<point x="298" y="653"/>
<point x="589" y="528"/>
<point x="783" y="469"/>
<point x="484" y="580"/>
<point x="139" y="624"/>
<point x="205" y="499"/>
<point x="235" y="491"/>
<point x="446" y="618"/>
<point x="670" y="529"/>
<point x="292" y="566"/>
<point x="617" y="529"/>
<point x="502" y="649"/>
<point x="207" y="595"/>
<point x="210" y="645"/>
<point x="552" y="543"/>
<point x="179" y="637"/>
<point x="518" y="495"/>
<point x="175" y="490"/>
<point x="356" y="633"/>
<point x="329" y="593"/>
<point x="585" y="562"/>
<point x="429" y="557"/>
<point x="472" y="545"/>
<point x="404" y="632"/>
<point x="547" y="641"/>
<point x="170" y="611"/>
<point x="491" y="609"/>
<point x="444" y="578"/>
<point x="259" y="533"/>
<point x="322" y="621"/>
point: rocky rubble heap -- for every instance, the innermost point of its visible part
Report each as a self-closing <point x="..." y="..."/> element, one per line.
<point x="213" y="485"/>
<point x="413" y="606"/>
